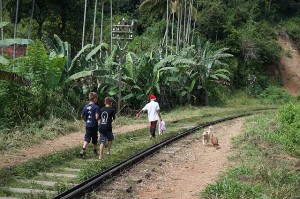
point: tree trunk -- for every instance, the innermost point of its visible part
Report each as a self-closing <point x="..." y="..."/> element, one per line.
<point x="172" y="32"/>
<point x="178" y="28"/>
<point x="15" y="29"/>
<point x="187" y="27"/>
<point x="111" y="40"/>
<point x="84" y="21"/>
<point x="205" y="98"/>
<point x="167" y="28"/>
<point x="194" y="24"/>
<point x="101" y="28"/>
<point x="184" y="18"/>
<point x="1" y="20"/>
<point x="94" y="25"/>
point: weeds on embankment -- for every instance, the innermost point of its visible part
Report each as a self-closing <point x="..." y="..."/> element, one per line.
<point x="267" y="161"/>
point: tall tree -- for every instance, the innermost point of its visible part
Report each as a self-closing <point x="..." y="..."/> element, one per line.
<point x="167" y="28"/>
<point x="84" y="22"/>
<point x="1" y="20"/>
<point x="101" y="26"/>
<point x="15" y="29"/>
<point x="111" y="40"/>
<point x="94" y="25"/>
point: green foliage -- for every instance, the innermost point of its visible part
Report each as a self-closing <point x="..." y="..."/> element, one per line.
<point x="244" y="29"/>
<point x="274" y="95"/>
<point x="43" y="72"/>
<point x="292" y="27"/>
<point x="231" y="188"/>
<point x="16" y="102"/>
<point x="289" y="125"/>
<point x="261" y="170"/>
<point x="212" y="19"/>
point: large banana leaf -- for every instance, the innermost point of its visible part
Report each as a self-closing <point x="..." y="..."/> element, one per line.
<point x="102" y="76"/>
<point x="102" y="46"/>
<point x="87" y="47"/>
<point x="184" y="61"/>
<point x="58" y="45"/>
<point x="3" y="60"/>
<point x="129" y="67"/>
<point x="79" y="75"/>
<point x="15" y="78"/>
<point x="9" y="42"/>
<point x="163" y="62"/>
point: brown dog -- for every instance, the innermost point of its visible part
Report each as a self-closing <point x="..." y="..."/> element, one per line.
<point x="214" y="140"/>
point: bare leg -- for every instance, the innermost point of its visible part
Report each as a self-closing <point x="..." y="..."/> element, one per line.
<point x="95" y="146"/>
<point x="85" y="144"/>
<point x="101" y="151"/>
<point x="109" y="143"/>
<point x="83" y="151"/>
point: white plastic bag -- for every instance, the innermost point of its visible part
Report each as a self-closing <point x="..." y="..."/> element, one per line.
<point x="162" y="127"/>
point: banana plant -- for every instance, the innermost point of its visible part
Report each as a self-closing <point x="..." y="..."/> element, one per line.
<point x="209" y="68"/>
<point x="150" y="73"/>
<point x="85" y="57"/>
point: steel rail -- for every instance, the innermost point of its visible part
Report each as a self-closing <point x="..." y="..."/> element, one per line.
<point x="95" y="182"/>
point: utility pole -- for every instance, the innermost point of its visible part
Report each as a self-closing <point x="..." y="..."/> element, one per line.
<point x="122" y="32"/>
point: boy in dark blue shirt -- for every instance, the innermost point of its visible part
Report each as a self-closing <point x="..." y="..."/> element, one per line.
<point x="107" y="115"/>
<point x="90" y="114"/>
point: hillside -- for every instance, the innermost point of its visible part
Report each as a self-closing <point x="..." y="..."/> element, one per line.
<point x="289" y="66"/>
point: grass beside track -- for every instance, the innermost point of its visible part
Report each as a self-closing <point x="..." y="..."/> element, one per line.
<point x="263" y="168"/>
<point x="124" y="146"/>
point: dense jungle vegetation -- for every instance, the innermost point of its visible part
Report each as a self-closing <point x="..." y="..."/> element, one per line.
<point x="194" y="52"/>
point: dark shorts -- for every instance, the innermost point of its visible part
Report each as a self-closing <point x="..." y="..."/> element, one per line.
<point x="91" y="133"/>
<point x="153" y="128"/>
<point x="106" y="136"/>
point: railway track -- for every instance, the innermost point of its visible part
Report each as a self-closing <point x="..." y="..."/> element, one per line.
<point x="95" y="182"/>
<point x="44" y="186"/>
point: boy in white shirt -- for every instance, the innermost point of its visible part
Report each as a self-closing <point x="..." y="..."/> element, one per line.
<point x="153" y="114"/>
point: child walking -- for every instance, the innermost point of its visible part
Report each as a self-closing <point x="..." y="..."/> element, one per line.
<point x="153" y="114"/>
<point x="107" y="115"/>
<point x="90" y="114"/>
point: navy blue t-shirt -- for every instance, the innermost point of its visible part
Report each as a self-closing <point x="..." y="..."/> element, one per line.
<point x="107" y="115"/>
<point x="89" y="113"/>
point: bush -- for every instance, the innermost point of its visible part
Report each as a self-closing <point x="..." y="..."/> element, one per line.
<point x="293" y="29"/>
<point x="273" y="95"/>
<point x="289" y="121"/>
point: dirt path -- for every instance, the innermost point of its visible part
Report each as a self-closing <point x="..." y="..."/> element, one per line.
<point x="290" y="67"/>
<point x="182" y="175"/>
<point x="50" y="146"/>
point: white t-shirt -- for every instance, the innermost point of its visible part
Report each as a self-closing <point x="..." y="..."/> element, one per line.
<point x="152" y="108"/>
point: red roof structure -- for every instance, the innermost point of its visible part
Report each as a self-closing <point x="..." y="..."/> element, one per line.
<point x="20" y="50"/>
